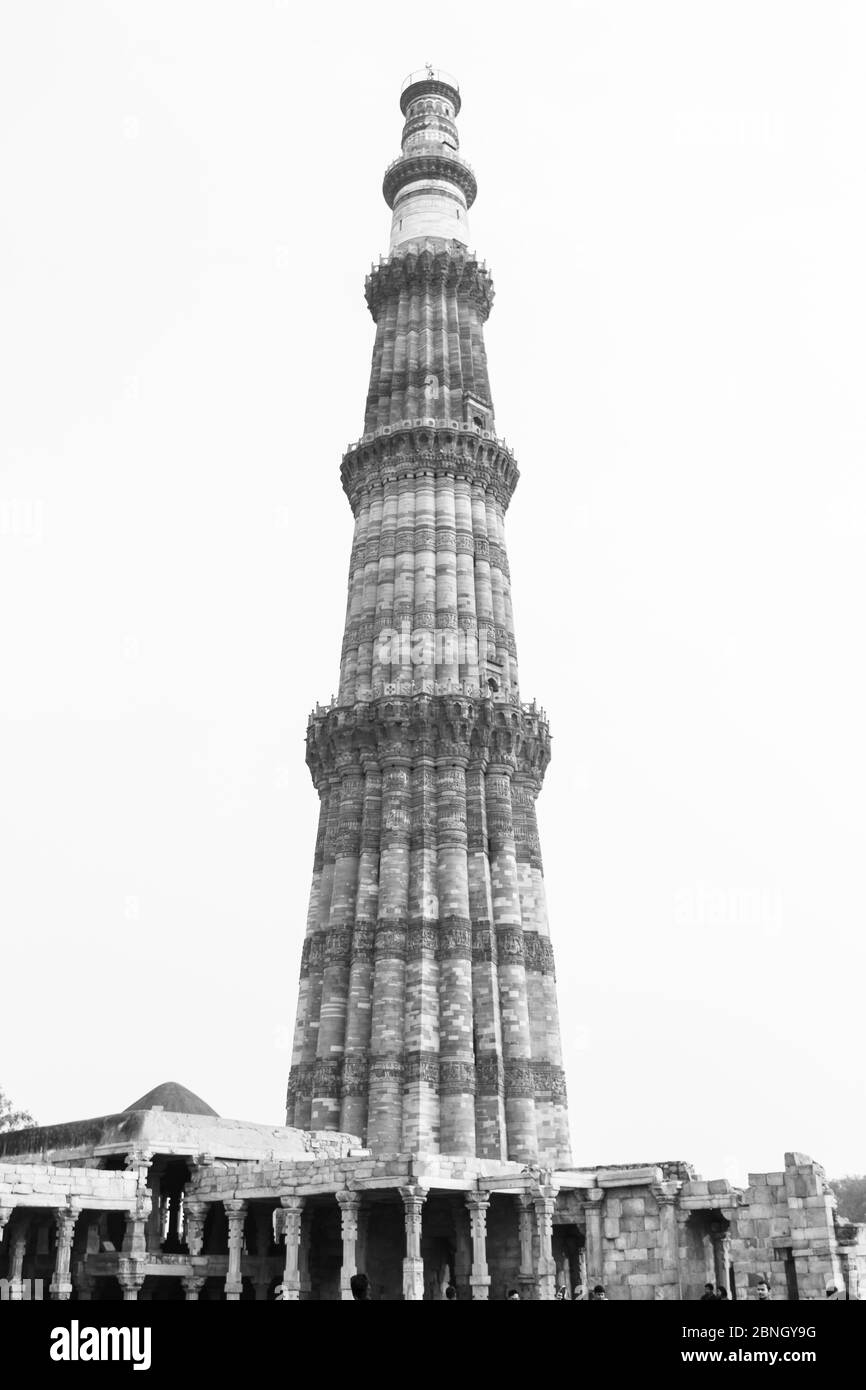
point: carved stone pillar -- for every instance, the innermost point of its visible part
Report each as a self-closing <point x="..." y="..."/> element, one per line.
<point x="516" y="1041"/>
<point x="846" y="1242"/>
<point x="5" y="1213"/>
<point x="293" y="1208"/>
<point x="61" y="1284"/>
<point x="18" y="1238"/>
<point x="545" y="1203"/>
<point x="236" y="1211"/>
<point x="669" y="1247"/>
<point x="135" y="1235"/>
<point x="477" y="1204"/>
<point x="594" y="1246"/>
<point x="413" y="1265"/>
<point x="192" y="1286"/>
<point x="526" y="1277"/>
<point x="721" y="1255"/>
<point x="196" y="1215"/>
<point x="130" y="1276"/>
<point x="350" y="1203"/>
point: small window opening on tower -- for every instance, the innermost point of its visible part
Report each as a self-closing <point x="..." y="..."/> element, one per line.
<point x="477" y="420"/>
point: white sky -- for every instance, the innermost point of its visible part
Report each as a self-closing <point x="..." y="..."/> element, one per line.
<point x="671" y="200"/>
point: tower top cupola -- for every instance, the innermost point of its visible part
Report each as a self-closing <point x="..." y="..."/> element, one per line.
<point x="429" y="187"/>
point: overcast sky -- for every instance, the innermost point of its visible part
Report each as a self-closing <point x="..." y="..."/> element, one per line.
<point x="671" y="201"/>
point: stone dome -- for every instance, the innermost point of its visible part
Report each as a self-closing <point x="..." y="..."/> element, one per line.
<point x="172" y="1096"/>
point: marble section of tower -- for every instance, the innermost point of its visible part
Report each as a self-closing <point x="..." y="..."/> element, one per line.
<point x="427" y="1015"/>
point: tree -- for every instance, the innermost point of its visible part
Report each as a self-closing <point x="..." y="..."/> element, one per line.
<point x="12" y="1119"/>
<point x="851" y="1192"/>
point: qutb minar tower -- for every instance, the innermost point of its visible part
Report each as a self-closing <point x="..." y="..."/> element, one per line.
<point x="427" y="1018"/>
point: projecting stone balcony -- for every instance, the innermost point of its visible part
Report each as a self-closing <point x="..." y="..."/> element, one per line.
<point x="413" y="168"/>
<point x="426" y="445"/>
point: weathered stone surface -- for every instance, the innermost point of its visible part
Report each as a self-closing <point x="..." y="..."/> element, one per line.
<point x="427" y="763"/>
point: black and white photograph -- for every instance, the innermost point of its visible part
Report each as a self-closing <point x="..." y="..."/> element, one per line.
<point x="432" y="677"/>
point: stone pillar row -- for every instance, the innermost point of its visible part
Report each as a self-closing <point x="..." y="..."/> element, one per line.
<point x="537" y="1268"/>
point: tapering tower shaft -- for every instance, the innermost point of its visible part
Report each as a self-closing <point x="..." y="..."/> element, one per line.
<point x="427" y="1017"/>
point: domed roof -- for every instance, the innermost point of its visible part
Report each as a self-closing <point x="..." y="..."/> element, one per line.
<point x="171" y="1096"/>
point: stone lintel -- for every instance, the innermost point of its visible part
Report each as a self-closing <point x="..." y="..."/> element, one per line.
<point x="570" y="1178"/>
<point x="713" y="1201"/>
<point x="627" y="1177"/>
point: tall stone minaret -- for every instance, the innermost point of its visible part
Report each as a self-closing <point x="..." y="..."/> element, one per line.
<point x="427" y="1018"/>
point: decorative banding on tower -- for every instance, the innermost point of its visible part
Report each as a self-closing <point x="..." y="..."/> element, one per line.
<point x="427" y="1009"/>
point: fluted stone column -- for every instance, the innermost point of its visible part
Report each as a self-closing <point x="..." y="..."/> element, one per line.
<point x="293" y="1208"/>
<point x="466" y="615"/>
<point x="421" y="1077"/>
<point x="456" y="1037"/>
<point x="669" y="1247"/>
<point x="483" y="588"/>
<point x="325" y="1113"/>
<point x="413" y="1266"/>
<point x="477" y="1204"/>
<point x="490" y="1131"/>
<point x="424" y="617"/>
<point x="353" y="1109"/>
<point x="298" y="1093"/>
<point x="236" y="1211"/>
<point x="313" y="960"/>
<point x="350" y="1203"/>
<point x="516" y="1043"/>
<point x="65" y="1219"/>
<point x="385" y="1118"/>
<point x="551" y="1110"/>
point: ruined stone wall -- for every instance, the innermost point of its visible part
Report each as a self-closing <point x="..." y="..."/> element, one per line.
<point x="45" y="1185"/>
